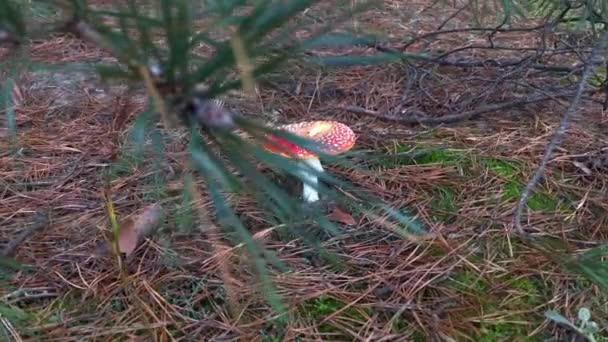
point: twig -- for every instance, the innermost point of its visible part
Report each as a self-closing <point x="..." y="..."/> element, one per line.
<point x="41" y="221"/>
<point x="424" y="119"/>
<point x="507" y="63"/>
<point x="471" y="29"/>
<point x="560" y="132"/>
<point x="452" y="16"/>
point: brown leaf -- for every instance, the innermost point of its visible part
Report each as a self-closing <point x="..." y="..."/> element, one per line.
<point x="133" y="231"/>
<point x="342" y="217"/>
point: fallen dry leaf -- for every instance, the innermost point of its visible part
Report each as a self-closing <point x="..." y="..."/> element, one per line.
<point x="133" y="231"/>
<point x="342" y="217"/>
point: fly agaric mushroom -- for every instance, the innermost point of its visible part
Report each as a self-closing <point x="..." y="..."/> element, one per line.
<point x="333" y="138"/>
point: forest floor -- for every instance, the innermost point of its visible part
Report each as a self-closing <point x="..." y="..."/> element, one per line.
<point x="480" y="282"/>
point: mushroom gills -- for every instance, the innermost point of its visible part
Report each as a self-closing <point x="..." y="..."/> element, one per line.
<point x="310" y="180"/>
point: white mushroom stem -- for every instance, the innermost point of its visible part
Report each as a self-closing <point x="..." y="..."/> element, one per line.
<point x="309" y="179"/>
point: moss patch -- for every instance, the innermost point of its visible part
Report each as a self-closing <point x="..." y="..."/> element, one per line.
<point x="443" y="157"/>
<point x="325" y="305"/>
<point x="182" y="294"/>
<point x="502" y="297"/>
<point x="539" y="201"/>
<point x="501" y="167"/>
<point x="444" y="203"/>
<point x="529" y="290"/>
<point x="514" y="185"/>
<point x="467" y="281"/>
<point x="410" y="154"/>
<point x="503" y="332"/>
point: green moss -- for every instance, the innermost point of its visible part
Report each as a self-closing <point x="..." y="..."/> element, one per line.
<point x="511" y="191"/>
<point x="399" y="325"/>
<point x="16" y="315"/>
<point x="325" y="305"/>
<point x="442" y="157"/>
<point x="417" y="336"/>
<point x="435" y="251"/>
<point x="539" y="201"/>
<point x="525" y="284"/>
<point x="501" y="167"/>
<point x="118" y="304"/>
<point x="543" y="202"/>
<point x="444" y="203"/>
<point x="521" y="293"/>
<point x="512" y="328"/>
<point x="510" y="172"/>
<point x="468" y="281"/>
<point x="401" y="155"/>
<point x="506" y="331"/>
<point x="182" y="294"/>
<point x="53" y="311"/>
<point x="530" y="292"/>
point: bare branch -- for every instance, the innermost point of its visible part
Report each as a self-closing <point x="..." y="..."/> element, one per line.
<point x="425" y="119"/>
<point x="591" y="62"/>
<point x="470" y="29"/>
<point x="506" y="63"/>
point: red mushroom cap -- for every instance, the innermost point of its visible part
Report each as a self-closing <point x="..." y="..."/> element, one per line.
<point x="334" y="137"/>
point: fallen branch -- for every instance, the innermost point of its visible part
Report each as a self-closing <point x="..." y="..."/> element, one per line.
<point x="40" y="222"/>
<point x="471" y="29"/>
<point x="590" y="63"/>
<point x="424" y="119"/>
<point x="506" y="63"/>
